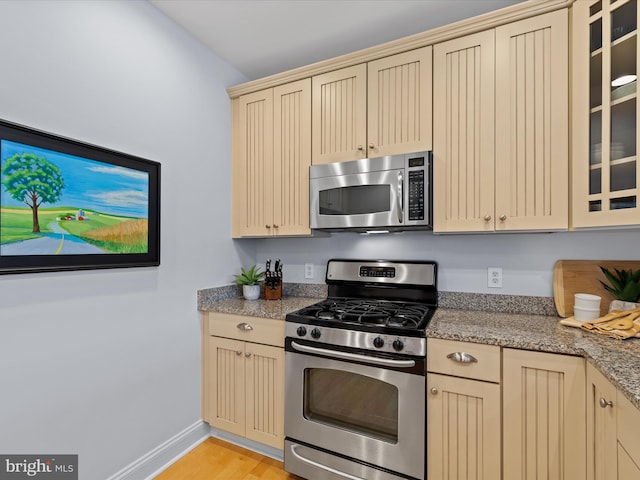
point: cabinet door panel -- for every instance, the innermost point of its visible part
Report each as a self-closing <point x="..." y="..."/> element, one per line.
<point x="627" y="468"/>
<point x="265" y="394"/>
<point x="226" y="385"/>
<point x="339" y="115"/>
<point x="532" y="152"/>
<point x="399" y="103"/>
<point x="463" y="434"/>
<point x="256" y="163"/>
<point x="628" y="426"/>
<point x="544" y="416"/>
<point x="463" y="134"/>
<point x="292" y="157"/>
<point x="601" y="427"/>
<point x="605" y="174"/>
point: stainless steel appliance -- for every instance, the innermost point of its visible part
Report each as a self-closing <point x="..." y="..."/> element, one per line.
<point x="355" y="373"/>
<point x="372" y="194"/>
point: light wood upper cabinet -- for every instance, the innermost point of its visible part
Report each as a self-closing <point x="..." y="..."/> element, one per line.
<point x="375" y="109"/>
<point x="532" y="124"/>
<point x="501" y="135"/>
<point x="463" y="135"/>
<point x="606" y="177"/>
<point x="272" y="155"/>
<point x="543" y="411"/>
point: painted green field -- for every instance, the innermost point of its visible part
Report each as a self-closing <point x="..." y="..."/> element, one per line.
<point x="111" y="233"/>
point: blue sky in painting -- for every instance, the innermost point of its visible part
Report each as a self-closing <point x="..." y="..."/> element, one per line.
<point x="89" y="184"/>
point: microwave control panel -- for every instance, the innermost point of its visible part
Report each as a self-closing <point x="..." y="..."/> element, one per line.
<point x="416" y="188"/>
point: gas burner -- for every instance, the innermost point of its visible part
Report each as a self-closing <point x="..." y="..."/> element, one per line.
<point x="396" y="298"/>
<point x="325" y="315"/>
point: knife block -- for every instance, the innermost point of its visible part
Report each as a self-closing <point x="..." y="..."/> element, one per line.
<point x="273" y="292"/>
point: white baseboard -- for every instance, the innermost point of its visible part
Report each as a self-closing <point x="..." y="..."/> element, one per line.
<point x="257" y="447"/>
<point x="158" y="459"/>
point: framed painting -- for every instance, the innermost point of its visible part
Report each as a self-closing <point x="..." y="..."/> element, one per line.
<point x="68" y="205"/>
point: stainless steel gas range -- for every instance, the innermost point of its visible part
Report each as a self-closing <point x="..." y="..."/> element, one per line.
<point x="355" y="373"/>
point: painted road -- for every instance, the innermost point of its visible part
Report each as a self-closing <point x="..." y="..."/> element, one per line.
<point x="57" y="243"/>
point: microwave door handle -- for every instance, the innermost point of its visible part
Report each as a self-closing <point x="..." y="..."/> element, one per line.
<point x="400" y="197"/>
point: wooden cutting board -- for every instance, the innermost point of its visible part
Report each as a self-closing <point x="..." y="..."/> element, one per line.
<point x="583" y="276"/>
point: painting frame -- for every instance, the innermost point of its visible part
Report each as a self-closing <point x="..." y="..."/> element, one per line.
<point x="147" y="173"/>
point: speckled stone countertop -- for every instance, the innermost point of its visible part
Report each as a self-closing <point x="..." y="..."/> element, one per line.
<point x="276" y="309"/>
<point x="617" y="360"/>
<point x="479" y="322"/>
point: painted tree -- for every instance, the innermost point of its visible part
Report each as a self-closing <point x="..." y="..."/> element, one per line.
<point x="32" y="180"/>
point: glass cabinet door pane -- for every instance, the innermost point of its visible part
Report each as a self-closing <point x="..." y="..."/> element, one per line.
<point x="595" y="140"/>
<point x="623" y="129"/>
<point x="623" y="20"/>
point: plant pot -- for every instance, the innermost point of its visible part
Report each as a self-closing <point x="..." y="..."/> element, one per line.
<point x="622" y="305"/>
<point x="251" y="292"/>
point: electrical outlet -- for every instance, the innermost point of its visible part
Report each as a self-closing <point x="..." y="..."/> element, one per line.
<point x="494" y="277"/>
<point x="308" y="270"/>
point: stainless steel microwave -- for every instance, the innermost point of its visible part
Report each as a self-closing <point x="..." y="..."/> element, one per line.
<point x="390" y="193"/>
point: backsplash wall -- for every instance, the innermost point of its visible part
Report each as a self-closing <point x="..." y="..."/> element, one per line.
<point x="526" y="259"/>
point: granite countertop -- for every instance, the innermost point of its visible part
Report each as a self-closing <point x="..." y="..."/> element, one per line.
<point x="275" y="309"/>
<point x="617" y="360"/>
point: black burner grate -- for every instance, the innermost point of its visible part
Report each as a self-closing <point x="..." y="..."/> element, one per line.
<point x="404" y="315"/>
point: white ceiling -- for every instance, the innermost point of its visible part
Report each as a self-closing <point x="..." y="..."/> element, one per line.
<point x="263" y="37"/>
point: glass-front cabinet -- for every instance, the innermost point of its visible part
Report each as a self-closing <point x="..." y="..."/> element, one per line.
<point x="605" y="174"/>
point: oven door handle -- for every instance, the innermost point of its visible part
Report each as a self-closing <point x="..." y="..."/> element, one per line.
<point x="320" y="466"/>
<point x="353" y="356"/>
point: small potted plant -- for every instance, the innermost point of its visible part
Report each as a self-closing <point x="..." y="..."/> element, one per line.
<point x="624" y="285"/>
<point x="249" y="279"/>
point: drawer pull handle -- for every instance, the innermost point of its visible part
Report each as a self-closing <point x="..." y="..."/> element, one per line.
<point x="462" y="357"/>
<point x="604" y="404"/>
<point x="244" y="326"/>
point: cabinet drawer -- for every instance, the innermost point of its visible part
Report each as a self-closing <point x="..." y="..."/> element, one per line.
<point x="486" y="367"/>
<point x="262" y="330"/>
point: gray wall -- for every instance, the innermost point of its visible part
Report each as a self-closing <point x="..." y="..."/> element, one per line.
<point x="526" y="259"/>
<point x="106" y="363"/>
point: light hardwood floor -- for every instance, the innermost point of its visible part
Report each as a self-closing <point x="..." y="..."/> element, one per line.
<point x="215" y="459"/>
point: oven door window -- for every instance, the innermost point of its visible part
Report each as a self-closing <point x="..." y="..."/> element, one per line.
<point x="355" y="200"/>
<point x="352" y="402"/>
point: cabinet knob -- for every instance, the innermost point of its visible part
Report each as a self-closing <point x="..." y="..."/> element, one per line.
<point x="238" y="352"/>
<point x="360" y="147"/>
<point x="487" y="218"/>
<point x="434" y="391"/>
<point x="604" y="404"/>
<point x="275" y="225"/>
<point x="462" y="357"/>
<point x="268" y="226"/>
<point x="247" y="354"/>
<point x="371" y="146"/>
<point x="503" y="217"/>
<point x="244" y="326"/>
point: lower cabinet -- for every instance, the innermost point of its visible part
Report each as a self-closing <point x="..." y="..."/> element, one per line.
<point x="505" y="413"/>
<point x="243" y="380"/>
<point x="543" y="413"/>
<point x="463" y="434"/>
<point x="613" y="424"/>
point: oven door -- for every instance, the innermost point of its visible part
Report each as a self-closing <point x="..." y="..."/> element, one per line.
<point x="358" y="200"/>
<point x="370" y="413"/>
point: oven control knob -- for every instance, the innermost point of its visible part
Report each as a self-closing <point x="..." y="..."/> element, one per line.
<point x="378" y="342"/>
<point x="301" y="331"/>
<point x="315" y="333"/>
<point x="398" y="344"/>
